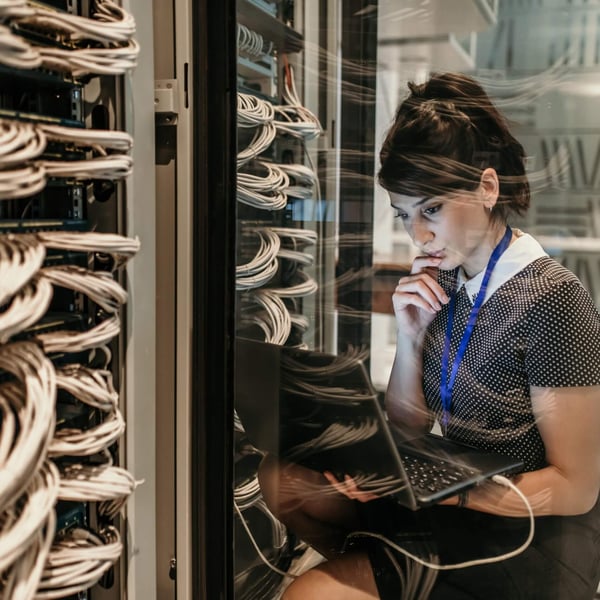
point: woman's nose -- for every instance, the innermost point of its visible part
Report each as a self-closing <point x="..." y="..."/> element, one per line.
<point x="420" y="233"/>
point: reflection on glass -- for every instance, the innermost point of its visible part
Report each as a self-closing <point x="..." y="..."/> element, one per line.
<point x="321" y="253"/>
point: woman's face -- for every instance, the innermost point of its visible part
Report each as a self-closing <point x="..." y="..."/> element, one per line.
<point x="456" y="227"/>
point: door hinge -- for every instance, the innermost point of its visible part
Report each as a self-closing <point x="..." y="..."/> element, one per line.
<point x="166" y="110"/>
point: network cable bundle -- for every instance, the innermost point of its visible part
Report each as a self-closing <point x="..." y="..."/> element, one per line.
<point x="62" y="161"/>
<point x="272" y="256"/>
<point x="276" y="182"/>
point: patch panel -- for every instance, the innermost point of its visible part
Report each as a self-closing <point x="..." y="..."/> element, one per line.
<point x="40" y="97"/>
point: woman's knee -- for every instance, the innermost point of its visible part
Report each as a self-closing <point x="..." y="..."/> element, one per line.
<point x="346" y="578"/>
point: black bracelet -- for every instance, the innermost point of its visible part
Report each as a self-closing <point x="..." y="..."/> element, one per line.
<point x="463" y="498"/>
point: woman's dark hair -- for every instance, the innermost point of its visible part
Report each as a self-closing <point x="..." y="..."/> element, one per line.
<point x="444" y="135"/>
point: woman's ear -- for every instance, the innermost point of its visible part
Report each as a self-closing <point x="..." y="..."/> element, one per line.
<point x="490" y="187"/>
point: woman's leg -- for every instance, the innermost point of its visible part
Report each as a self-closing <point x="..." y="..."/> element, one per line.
<point x="304" y="500"/>
<point x="349" y="577"/>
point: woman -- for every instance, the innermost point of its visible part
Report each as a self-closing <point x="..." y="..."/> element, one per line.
<point x="497" y="343"/>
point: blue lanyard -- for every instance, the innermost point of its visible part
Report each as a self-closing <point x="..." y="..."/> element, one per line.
<point x="448" y="383"/>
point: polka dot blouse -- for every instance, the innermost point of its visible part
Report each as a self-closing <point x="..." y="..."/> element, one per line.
<point x="538" y="328"/>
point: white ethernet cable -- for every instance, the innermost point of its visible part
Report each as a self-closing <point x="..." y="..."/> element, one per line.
<point x="252" y="43"/>
<point x="248" y="493"/>
<point x="342" y="363"/>
<point x="276" y="322"/>
<point x="26" y="307"/>
<point x="122" y="248"/>
<point x="15" y="51"/>
<point x="79" y="442"/>
<point x="336" y="435"/>
<point x="500" y="480"/>
<point x="293" y="118"/>
<point x="79" y="341"/>
<point x="22" y="579"/>
<point x="262" y="139"/>
<point x="110" y="22"/>
<point x="99" y="286"/>
<point x="19" y="141"/>
<point x="304" y="236"/>
<point x="303" y="180"/>
<point x="112" y="166"/>
<point x="93" y="387"/>
<point x="299" y="237"/>
<point x="266" y="191"/>
<point x="81" y="136"/>
<point x="110" y="60"/>
<point x="22" y="182"/>
<point x="107" y="484"/>
<point x="263" y="265"/>
<point x="306" y="287"/>
<point x="78" y="560"/>
<point x="21" y="525"/>
<point x="32" y="399"/>
<point x="21" y="257"/>
<point x="253" y="111"/>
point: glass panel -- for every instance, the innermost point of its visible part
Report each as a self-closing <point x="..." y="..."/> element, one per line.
<point x="320" y="254"/>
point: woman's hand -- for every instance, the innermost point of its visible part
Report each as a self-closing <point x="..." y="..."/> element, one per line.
<point x="349" y="488"/>
<point x="418" y="297"/>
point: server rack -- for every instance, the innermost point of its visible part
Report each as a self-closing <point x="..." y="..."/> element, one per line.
<point x="340" y="53"/>
<point x="66" y="154"/>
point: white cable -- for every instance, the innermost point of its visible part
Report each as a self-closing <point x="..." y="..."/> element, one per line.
<point x="264" y="265"/>
<point x="24" y="576"/>
<point x="18" y="532"/>
<point x="32" y="399"/>
<point x="305" y="236"/>
<point x="99" y="286"/>
<point x="22" y="182"/>
<point x="93" y="387"/>
<point x="111" y="60"/>
<point x="120" y="247"/>
<point x="112" y="166"/>
<point x="77" y="562"/>
<point x="21" y="257"/>
<point x="262" y="139"/>
<point x="19" y="141"/>
<point x="252" y="43"/>
<point x="336" y="435"/>
<point x="258" y="550"/>
<point x="86" y="442"/>
<point x="276" y="322"/>
<point x="253" y="111"/>
<point x="16" y="52"/>
<point x="25" y="308"/>
<point x="76" y="341"/>
<point x="81" y="136"/>
<point x="306" y="287"/>
<point x="110" y="22"/>
<point x="86" y="483"/>
<point x="499" y="479"/>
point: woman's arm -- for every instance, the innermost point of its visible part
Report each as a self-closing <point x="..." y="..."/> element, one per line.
<point x="417" y="299"/>
<point x="569" y="423"/>
<point x="404" y="400"/>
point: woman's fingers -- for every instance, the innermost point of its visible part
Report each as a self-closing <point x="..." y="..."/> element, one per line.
<point x="425" y="262"/>
<point x="349" y="488"/>
<point x="420" y="290"/>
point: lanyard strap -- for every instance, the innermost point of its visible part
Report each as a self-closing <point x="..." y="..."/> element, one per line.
<point x="447" y="383"/>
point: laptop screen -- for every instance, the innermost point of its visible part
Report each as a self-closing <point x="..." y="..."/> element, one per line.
<point x="315" y="409"/>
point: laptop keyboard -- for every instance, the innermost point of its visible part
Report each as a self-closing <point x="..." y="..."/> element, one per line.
<point x="428" y="477"/>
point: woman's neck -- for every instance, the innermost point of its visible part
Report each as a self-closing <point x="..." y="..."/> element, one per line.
<point x="478" y="261"/>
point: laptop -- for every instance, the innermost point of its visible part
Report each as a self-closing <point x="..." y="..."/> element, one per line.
<point x="321" y="410"/>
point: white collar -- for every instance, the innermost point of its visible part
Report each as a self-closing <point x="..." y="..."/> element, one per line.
<point x="522" y="252"/>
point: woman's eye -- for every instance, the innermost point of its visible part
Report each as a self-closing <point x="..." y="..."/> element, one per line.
<point x="400" y="215"/>
<point x="431" y="210"/>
